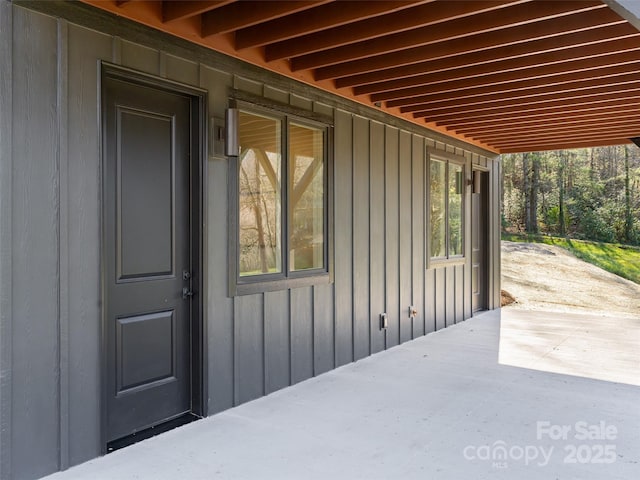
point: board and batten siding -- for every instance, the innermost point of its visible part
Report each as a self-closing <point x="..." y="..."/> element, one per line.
<point x="50" y="201"/>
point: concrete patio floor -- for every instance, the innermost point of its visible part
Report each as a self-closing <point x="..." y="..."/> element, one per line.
<point x="507" y="394"/>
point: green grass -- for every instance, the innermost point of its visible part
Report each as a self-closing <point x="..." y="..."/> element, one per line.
<point x="623" y="260"/>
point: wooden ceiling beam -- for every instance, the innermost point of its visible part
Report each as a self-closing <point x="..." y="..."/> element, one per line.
<point x="172" y="11"/>
<point x="369" y="30"/>
<point x="521" y="117"/>
<point x="488" y="22"/>
<point x="453" y="117"/>
<point x="530" y="86"/>
<point x="553" y="100"/>
<point x="402" y="77"/>
<point x="475" y="88"/>
<point x="510" y="36"/>
<point x="533" y="72"/>
<point x="541" y="143"/>
<point x="544" y="141"/>
<point x="541" y="132"/>
<point x="498" y="98"/>
<point x="317" y="19"/>
<point x="576" y="120"/>
<point x="565" y="146"/>
<point x="246" y="13"/>
<point x="543" y="137"/>
<point x="490" y="139"/>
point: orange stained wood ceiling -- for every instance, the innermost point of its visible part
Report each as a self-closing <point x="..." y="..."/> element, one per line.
<point x="508" y="76"/>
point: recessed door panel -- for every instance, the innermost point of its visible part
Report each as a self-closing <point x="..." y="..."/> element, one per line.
<point x="145" y="351"/>
<point x="147" y="223"/>
<point x="145" y="185"/>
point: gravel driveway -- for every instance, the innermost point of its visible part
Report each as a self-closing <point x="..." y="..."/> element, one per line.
<point x="546" y="277"/>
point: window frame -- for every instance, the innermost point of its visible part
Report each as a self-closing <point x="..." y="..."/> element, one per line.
<point x="287" y="278"/>
<point x="447" y="158"/>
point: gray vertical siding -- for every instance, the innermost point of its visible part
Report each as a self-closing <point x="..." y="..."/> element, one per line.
<point x="277" y="339"/>
<point x="50" y="201"/>
<point x="391" y="233"/>
<point x="6" y="235"/>
<point x="440" y="300"/>
<point x="83" y="201"/>
<point x="377" y="237"/>
<point x="361" y="236"/>
<point x="323" y="329"/>
<point x="343" y="222"/>
<point x="35" y="243"/>
<point x="63" y="241"/>
<point x="248" y="342"/>
<point x="301" y="324"/>
<point x="423" y="323"/>
<point x="220" y="312"/>
<point x="405" y="288"/>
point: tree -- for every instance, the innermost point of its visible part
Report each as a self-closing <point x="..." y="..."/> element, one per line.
<point x="533" y="195"/>
<point x="588" y="193"/>
<point x="628" y="224"/>
<point x="561" y="206"/>
<point x="526" y="192"/>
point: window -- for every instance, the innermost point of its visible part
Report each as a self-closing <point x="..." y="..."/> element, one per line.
<point x="446" y="213"/>
<point x="282" y="201"/>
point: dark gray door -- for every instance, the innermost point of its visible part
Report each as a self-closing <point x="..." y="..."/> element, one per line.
<point x="147" y="256"/>
<point x="479" y="241"/>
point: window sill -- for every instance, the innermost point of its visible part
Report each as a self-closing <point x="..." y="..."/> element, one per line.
<point x="257" y="286"/>
<point x="446" y="262"/>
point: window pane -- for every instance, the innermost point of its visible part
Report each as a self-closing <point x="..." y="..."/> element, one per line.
<point x="306" y="198"/>
<point x="456" y="188"/>
<point x="260" y="176"/>
<point x="438" y="208"/>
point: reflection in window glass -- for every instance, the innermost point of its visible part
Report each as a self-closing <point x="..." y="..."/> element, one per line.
<point x="260" y="176"/>
<point x="438" y="208"/>
<point x="456" y="187"/>
<point x="306" y="198"/>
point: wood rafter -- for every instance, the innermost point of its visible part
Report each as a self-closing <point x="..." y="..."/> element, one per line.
<point x="514" y="71"/>
<point x="629" y="81"/>
<point x="573" y="121"/>
<point x="318" y="19"/>
<point x="482" y="41"/>
<point x="569" y="129"/>
<point x="549" y="140"/>
<point x="505" y="75"/>
<point x="488" y="22"/>
<point x="598" y="112"/>
<point x="402" y="77"/>
<point x="523" y="87"/>
<point x="602" y="142"/>
<point x="251" y="12"/>
<point x="338" y="39"/>
<point x="172" y="11"/>
<point x="559" y="108"/>
<point x="554" y="61"/>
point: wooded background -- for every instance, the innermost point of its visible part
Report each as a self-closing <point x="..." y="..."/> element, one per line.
<point x="589" y="193"/>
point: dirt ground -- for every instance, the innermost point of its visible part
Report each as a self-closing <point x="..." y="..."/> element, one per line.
<point x="546" y="277"/>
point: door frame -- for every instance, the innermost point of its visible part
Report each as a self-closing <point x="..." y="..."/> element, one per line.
<point x="485" y="207"/>
<point x="198" y="202"/>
